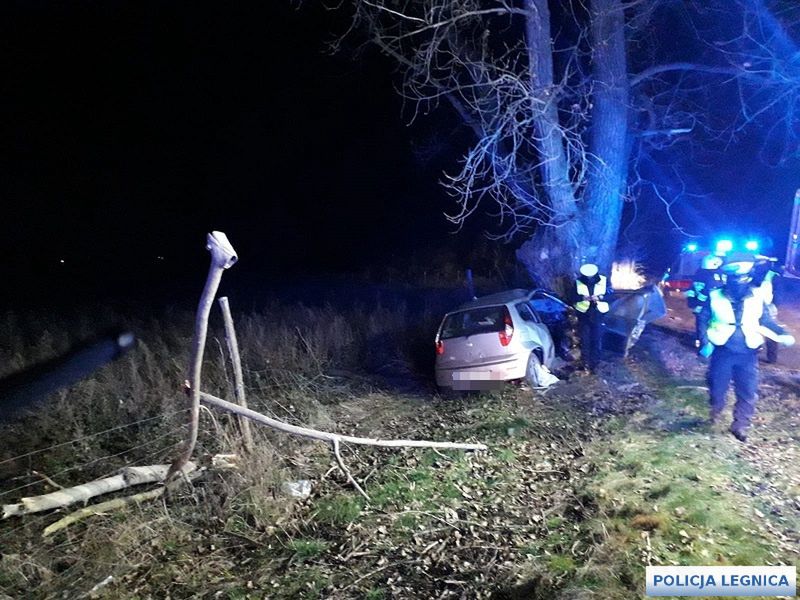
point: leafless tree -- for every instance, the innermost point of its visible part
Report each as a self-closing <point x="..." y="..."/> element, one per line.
<point x="565" y="99"/>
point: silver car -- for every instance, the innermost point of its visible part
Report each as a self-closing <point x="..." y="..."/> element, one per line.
<point x="492" y="339"/>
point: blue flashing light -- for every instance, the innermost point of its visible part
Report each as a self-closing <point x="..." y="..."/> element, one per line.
<point x="751" y="245"/>
<point x="691" y="247"/>
<point x="724" y="246"/>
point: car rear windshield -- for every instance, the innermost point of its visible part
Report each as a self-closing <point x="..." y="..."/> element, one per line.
<point x="471" y="322"/>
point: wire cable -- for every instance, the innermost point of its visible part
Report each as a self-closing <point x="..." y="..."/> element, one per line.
<point x="91" y="436"/>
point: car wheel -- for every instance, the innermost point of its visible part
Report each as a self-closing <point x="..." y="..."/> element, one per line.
<point x="533" y="370"/>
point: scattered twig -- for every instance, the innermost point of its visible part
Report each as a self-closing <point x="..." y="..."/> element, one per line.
<point x="47" y="480"/>
<point x="100" y="585"/>
<point x="346" y="471"/>
<point x="368" y="575"/>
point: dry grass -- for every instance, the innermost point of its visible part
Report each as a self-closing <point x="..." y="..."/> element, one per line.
<point x="581" y="487"/>
<point x="133" y="412"/>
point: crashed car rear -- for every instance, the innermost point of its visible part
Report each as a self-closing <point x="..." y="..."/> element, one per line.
<point x="517" y="335"/>
<point x="493" y="339"/>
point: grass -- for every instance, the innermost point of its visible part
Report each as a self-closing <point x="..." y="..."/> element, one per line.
<point x="337" y="511"/>
<point x="305" y="584"/>
<point x="306" y="549"/>
<point x="375" y="594"/>
<point x="130" y="413"/>
<point x="648" y="493"/>
<point x="666" y="498"/>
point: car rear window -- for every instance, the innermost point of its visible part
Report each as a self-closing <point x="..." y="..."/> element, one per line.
<point x="549" y="309"/>
<point x="471" y="322"/>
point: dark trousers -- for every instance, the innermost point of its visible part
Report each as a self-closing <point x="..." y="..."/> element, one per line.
<point x="772" y="351"/>
<point x="742" y="367"/>
<point x="590" y="332"/>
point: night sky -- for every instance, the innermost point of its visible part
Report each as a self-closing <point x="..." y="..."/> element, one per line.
<point x="133" y="128"/>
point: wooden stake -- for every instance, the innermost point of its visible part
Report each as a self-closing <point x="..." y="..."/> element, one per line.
<point x="238" y="379"/>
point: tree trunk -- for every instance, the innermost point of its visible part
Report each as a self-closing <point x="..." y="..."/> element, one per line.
<point x="608" y="142"/>
<point x="549" y="254"/>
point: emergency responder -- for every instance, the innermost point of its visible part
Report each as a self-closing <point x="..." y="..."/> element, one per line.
<point x="590" y="287"/>
<point x="706" y="278"/>
<point x="737" y="323"/>
<point x="764" y="274"/>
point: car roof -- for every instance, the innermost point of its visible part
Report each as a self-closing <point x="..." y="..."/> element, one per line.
<point x="494" y="299"/>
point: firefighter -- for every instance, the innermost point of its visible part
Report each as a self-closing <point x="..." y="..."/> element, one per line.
<point x="706" y="278"/>
<point x="738" y="321"/>
<point x="590" y="287"/>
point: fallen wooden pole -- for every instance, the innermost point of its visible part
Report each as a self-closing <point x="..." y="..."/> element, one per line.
<point x="326" y="436"/>
<point x="109" y="505"/>
<point x="127" y="477"/>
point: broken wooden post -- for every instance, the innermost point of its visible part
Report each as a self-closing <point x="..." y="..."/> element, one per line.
<point x="238" y="379"/>
<point x="326" y="436"/>
<point x="334" y="439"/>
<point x="127" y="477"/>
<point x="223" y="256"/>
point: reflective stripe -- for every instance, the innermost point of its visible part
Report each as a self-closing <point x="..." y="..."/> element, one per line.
<point x="723" y="320"/>
<point x="600" y="288"/>
<point x="766" y="290"/>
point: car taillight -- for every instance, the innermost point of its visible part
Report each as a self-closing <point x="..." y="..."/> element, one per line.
<point x="508" y="329"/>
<point x="439" y="347"/>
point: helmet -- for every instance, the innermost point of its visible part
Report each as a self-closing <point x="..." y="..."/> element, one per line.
<point x="588" y="270"/>
<point x="738" y="278"/>
<point x="738" y="269"/>
<point x="712" y="262"/>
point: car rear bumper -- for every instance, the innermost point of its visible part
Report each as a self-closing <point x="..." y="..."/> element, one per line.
<point x="481" y="377"/>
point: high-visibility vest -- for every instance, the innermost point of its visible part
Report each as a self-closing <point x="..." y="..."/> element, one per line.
<point x="599" y="289"/>
<point x="767" y="289"/>
<point x="723" y="320"/>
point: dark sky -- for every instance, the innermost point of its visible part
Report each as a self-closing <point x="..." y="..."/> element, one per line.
<point x="131" y="129"/>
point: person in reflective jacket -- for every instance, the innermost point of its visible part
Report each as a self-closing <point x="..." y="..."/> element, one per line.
<point x="764" y="279"/>
<point x="706" y="278"/>
<point x="590" y="287"/>
<point x="738" y="322"/>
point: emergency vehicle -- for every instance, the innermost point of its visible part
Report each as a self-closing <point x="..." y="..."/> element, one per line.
<point x="678" y="277"/>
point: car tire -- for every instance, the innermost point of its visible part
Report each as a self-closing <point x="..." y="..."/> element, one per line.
<point x="532" y="371"/>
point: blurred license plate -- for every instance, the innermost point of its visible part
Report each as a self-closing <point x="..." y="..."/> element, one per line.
<point x="475" y="376"/>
